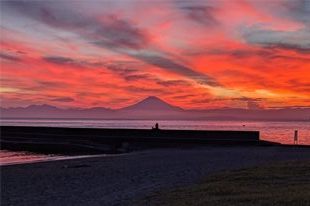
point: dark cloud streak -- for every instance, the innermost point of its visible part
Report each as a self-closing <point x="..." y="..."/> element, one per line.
<point x="298" y="10"/>
<point x="298" y="41"/>
<point x="69" y="61"/>
<point x="169" y="64"/>
<point x="9" y="57"/>
<point x="201" y="14"/>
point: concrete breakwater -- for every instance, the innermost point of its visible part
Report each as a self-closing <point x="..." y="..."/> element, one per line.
<point x="97" y="140"/>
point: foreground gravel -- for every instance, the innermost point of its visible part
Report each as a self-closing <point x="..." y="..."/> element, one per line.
<point x="119" y="180"/>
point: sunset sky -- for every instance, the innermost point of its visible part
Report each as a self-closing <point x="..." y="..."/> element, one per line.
<point x="203" y="54"/>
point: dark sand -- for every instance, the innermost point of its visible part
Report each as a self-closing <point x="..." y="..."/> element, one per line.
<point x="119" y="180"/>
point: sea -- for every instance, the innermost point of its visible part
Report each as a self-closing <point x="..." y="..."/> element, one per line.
<point x="276" y="131"/>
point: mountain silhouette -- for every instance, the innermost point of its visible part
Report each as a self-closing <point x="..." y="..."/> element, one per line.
<point x="152" y="103"/>
<point x="153" y="108"/>
<point x="43" y="107"/>
<point x="48" y="111"/>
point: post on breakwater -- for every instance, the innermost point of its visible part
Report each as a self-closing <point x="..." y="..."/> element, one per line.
<point x="296" y="137"/>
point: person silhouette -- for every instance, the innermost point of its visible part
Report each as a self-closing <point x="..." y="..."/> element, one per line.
<point x="156" y="126"/>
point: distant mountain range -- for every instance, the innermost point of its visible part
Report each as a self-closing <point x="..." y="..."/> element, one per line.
<point x="155" y="108"/>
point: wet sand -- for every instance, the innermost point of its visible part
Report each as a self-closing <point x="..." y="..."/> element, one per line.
<point x="120" y="180"/>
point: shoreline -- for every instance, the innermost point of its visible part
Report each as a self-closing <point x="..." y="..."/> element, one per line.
<point x="50" y="157"/>
<point x="55" y="157"/>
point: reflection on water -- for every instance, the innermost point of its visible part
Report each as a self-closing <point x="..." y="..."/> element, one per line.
<point x="282" y="132"/>
<point x="11" y="157"/>
<point x="21" y="157"/>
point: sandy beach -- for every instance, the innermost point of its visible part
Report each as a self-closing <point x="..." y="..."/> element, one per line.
<point x="121" y="180"/>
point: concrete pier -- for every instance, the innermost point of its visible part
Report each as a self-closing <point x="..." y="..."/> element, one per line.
<point x="95" y="140"/>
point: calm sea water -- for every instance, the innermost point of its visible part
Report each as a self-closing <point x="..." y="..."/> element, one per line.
<point x="282" y="132"/>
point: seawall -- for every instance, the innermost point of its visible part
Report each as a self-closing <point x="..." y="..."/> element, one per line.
<point x="95" y="140"/>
